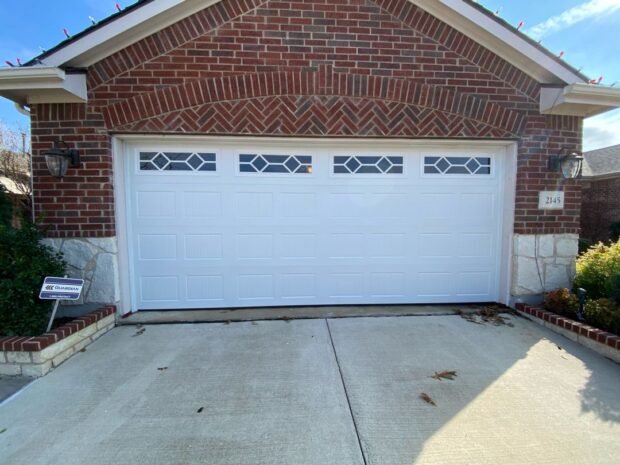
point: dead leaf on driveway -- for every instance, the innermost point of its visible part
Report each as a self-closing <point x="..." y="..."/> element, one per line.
<point x="139" y="332"/>
<point x="444" y="375"/>
<point x="426" y="398"/>
<point x="489" y="314"/>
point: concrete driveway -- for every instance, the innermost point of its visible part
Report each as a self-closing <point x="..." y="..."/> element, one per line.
<point x="338" y="391"/>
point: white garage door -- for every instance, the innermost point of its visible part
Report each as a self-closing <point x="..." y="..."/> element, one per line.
<point x="257" y="225"/>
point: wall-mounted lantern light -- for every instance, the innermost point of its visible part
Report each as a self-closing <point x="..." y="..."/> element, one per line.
<point x="59" y="159"/>
<point x="568" y="164"/>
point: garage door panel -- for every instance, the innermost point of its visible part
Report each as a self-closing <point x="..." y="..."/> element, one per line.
<point x="296" y="286"/>
<point x="254" y="246"/>
<point x="256" y="287"/>
<point x="159" y="288"/>
<point x="227" y="238"/>
<point x="157" y="246"/>
<point x="204" y="246"/>
<point x="387" y="246"/>
<point x="388" y="284"/>
<point x="207" y="287"/>
<point x="156" y="204"/>
<point x="202" y="205"/>
<point x="297" y="246"/>
<point x="434" y="284"/>
<point x="296" y="205"/>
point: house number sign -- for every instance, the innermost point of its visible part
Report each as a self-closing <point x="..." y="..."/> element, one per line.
<point x="551" y="200"/>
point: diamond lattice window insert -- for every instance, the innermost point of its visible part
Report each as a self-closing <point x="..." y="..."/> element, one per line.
<point x="177" y="161"/>
<point x="457" y="165"/>
<point x="292" y="164"/>
<point x="368" y="164"/>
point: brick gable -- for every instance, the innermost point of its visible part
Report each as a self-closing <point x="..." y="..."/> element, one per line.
<point x="303" y="68"/>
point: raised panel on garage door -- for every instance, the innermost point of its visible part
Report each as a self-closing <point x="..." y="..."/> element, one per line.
<point x="213" y="226"/>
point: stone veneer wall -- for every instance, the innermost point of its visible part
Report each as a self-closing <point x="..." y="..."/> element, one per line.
<point x="96" y="261"/>
<point x="542" y="263"/>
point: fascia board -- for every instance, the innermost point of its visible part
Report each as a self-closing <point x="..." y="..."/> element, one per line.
<point x="500" y="40"/>
<point x="124" y="31"/>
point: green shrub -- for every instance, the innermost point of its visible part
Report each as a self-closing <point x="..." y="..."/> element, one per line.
<point x="603" y="314"/>
<point x="613" y="288"/>
<point x="562" y="302"/>
<point x="596" y="267"/>
<point x="24" y="262"/>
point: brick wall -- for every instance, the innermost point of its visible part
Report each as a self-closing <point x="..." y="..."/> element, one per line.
<point x="304" y="68"/>
<point x="600" y="207"/>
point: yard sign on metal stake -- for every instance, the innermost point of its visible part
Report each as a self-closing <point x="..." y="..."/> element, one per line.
<point x="60" y="289"/>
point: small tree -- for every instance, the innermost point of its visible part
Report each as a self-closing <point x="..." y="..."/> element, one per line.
<point x="24" y="263"/>
<point x="15" y="168"/>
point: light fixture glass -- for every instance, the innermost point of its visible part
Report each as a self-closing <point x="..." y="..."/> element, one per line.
<point x="571" y="165"/>
<point x="57" y="164"/>
<point x="568" y="165"/>
<point x="59" y="159"/>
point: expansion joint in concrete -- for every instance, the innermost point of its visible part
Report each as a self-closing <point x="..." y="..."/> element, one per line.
<point x="346" y="393"/>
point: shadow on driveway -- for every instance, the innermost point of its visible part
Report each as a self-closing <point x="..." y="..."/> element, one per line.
<point x="272" y="393"/>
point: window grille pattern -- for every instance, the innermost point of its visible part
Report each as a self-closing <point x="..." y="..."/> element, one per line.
<point x="457" y="165"/>
<point x="367" y="164"/>
<point x="292" y="164"/>
<point x="177" y="161"/>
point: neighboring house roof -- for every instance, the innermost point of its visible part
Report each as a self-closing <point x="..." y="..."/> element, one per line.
<point x="10" y="186"/>
<point x="602" y="162"/>
<point x="54" y="81"/>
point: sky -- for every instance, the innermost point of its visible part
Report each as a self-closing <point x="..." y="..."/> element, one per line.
<point x="585" y="30"/>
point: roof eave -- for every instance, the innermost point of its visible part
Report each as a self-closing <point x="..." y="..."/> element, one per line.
<point x="42" y="84"/>
<point x="600" y="177"/>
<point x="579" y="99"/>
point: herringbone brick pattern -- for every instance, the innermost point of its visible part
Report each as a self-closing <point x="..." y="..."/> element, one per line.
<point x="316" y="115"/>
<point x="382" y="91"/>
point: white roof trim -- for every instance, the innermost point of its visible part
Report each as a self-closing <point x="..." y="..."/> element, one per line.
<point x="500" y="40"/>
<point x="38" y="84"/>
<point x="49" y="84"/>
<point x="579" y="100"/>
<point x="124" y="31"/>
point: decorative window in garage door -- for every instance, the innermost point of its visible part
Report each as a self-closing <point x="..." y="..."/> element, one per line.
<point x="292" y="164"/>
<point x="177" y="161"/>
<point x="457" y="165"/>
<point x="367" y="164"/>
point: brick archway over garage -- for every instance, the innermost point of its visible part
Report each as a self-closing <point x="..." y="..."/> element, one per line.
<point x="313" y="103"/>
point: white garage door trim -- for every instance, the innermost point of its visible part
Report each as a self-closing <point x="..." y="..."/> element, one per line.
<point x="504" y="151"/>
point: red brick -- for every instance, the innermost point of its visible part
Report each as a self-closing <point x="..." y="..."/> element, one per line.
<point x="613" y="341"/>
<point x="600" y="207"/>
<point x="423" y="67"/>
<point x="31" y="345"/>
